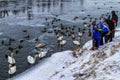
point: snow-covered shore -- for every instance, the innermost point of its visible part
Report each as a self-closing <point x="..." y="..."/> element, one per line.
<point x="102" y="64"/>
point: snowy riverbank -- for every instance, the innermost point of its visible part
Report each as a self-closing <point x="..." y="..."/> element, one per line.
<point x="102" y="64"/>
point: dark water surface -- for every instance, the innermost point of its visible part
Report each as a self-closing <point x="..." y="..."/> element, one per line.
<point x="18" y="15"/>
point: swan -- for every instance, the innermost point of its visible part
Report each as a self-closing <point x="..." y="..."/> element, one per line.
<point x="32" y="60"/>
<point x="42" y="53"/>
<point x="85" y="24"/>
<point x="12" y="69"/>
<point x="40" y="45"/>
<point x="63" y="42"/>
<point x="76" y="42"/>
<point x="60" y="38"/>
<point x="10" y="58"/>
<point x="80" y="34"/>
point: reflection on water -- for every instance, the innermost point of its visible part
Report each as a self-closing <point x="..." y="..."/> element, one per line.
<point x="82" y="2"/>
<point x="30" y="7"/>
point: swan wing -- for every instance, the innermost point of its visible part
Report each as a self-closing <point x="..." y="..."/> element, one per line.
<point x="80" y="34"/>
<point x="40" y="45"/>
<point x="11" y="60"/>
<point x="60" y="38"/>
<point x="42" y="54"/>
<point x="63" y="42"/>
<point x="76" y="42"/>
<point x="12" y="70"/>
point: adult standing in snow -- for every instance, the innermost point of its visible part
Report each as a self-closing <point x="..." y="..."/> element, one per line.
<point x="95" y="36"/>
<point x="111" y="27"/>
<point x="114" y="20"/>
<point x="104" y="30"/>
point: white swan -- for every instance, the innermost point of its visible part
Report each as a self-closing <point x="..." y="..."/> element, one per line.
<point x="32" y="60"/>
<point x="80" y="34"/>
<point x="85" y="25"/>
<point x="12" y="69"/>
<point x="42" y="53"/>
<point x="40" y="45"/>
<point x="11" y="59"/>
<point x="76" y="42"/>
<point x="60" y="38"/>
<point x="63" y="42"/>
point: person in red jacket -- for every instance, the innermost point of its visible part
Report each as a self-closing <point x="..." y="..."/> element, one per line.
<point x="114" y="20"/>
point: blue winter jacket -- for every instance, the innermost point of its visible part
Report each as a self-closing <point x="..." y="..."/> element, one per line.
<point x="103" y="27"/>
<point x="95" y="33"/>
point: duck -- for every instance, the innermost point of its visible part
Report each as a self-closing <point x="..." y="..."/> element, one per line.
<point x="21" y="41"/>
<point x="42" y="53"/>
<point x="11" y="48"/>
<point x="37" y="39"/>
<point x="84" y="18"/>
<point x="12" y="69"/>
<point x="17" y="51"/>
<point x="12" y="39"/>
<point x="44" y="29"/>
<point x="20" y="46"/>
<point x="40" y="45"/>
<point x="46" y="19"/>
<point x="85" y="24"/>
<point x="73" y="35"/>
<point x="2" y="42"/>
<point x="82" y="10"/>
<point x="76" y="42"/>
<point x="28" y="36"/>
<point x="32" y="60"/>
<point x="75" y="18"/>
<point x="25" y="30"/>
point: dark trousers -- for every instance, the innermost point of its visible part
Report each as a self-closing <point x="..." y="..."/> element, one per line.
<point x="104" y="37"/>
<point x="95" y="43"/>
<point x="111" y="35"/>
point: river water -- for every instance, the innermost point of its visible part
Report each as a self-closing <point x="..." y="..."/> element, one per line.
<point x="31" y="15"/>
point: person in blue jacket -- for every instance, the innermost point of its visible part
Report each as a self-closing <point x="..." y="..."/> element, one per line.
<point x="104" y="30"/>
<point x="95" y="36"/>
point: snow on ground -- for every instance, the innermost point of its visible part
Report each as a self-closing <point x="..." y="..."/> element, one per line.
<point x="101" y="64"/>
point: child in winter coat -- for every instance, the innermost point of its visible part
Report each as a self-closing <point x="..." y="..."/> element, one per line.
<point x="95" y="36"/>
